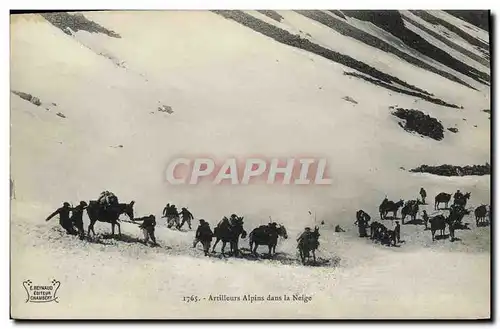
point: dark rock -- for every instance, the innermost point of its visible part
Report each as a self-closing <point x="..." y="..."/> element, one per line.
<point x="59" y="114"/>
<point x="417" y="121"/>
<point x="453" y="130"/>
<point x="449" y="170"/>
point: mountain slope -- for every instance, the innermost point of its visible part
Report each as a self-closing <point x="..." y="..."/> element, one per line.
<point x="235" y="92"/>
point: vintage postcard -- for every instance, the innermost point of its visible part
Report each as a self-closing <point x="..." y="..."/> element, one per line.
<point x="250" y="164"/>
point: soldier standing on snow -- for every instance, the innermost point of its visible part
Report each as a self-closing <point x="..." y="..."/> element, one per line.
<point x="77" y="218"/>
<point x="425" y="217"/>
<point x="423" y="195"/>
<point x="397" y="232"/>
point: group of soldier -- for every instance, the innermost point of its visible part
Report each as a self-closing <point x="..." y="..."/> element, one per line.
<point x="378" y="231"/>
<point x="381" y="233"/>
<point x="72" y="224"/>
<point x="170" y="212"/>
<point x="71" y="220"/>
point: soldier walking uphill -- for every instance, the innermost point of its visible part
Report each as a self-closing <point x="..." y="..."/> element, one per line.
<point x="187" y="216"/>
<point x="77" y="218"/>
<point x="148" y="228"/>
<point x="204" y="235"/>
<point x="423" y="195"/>
<point x="64" y="219"/>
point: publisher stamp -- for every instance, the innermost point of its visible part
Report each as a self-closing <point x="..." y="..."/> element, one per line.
<point x="41" y="293"/>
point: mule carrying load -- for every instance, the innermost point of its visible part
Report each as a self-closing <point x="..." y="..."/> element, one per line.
<point x="389" y="206"/>
<point x="267" y="235"/>
<point x="229" y="230"/>
<point x="107" y="209"/>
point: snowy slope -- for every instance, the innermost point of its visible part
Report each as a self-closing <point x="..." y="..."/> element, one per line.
<point x="234" y="92"/>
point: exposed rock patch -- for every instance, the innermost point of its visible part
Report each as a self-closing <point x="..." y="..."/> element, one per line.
<point x="419" y="122"/>
<point x="449" y="170"/>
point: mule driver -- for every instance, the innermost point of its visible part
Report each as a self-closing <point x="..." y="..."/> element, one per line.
<point x="303" y="236"/>
<point x="148" y="228"/>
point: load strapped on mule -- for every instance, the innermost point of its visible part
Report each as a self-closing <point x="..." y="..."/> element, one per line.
<point x="107" y="199"/>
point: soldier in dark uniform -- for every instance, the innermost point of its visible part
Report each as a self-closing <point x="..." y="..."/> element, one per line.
<point x="77" y="218"/>
<point x="170" y="212"/>
<point x="174" y="216"/>
<point x="204" y="235"/>
<point x="397" y="232"/>
<point x="148" y="228"/>
<point x="423" y="195"/>
<point x="64" y="219"/>
<point x="457" y="196"/>
<point x="362" y="219"/>
<point x="304" y="235"/>
<point x="166" y="210"/>
<point x="187" y="216"/>
<point x="425" y="217"/>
